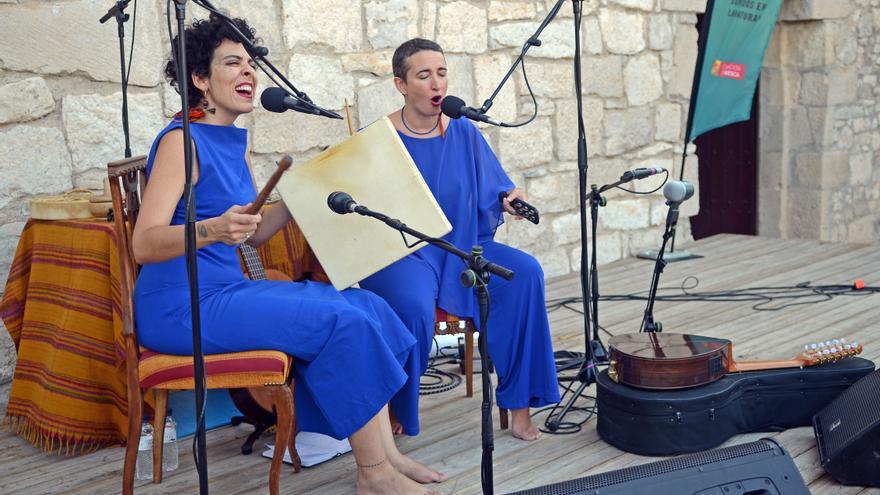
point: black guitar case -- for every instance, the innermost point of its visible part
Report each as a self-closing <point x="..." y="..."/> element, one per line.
<point x="669" y="422"/>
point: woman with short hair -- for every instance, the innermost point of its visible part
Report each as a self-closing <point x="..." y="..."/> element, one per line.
<point x="466" y="178"/>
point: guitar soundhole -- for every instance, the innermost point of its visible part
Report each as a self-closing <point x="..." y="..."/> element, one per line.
<point x="716" y="366"/>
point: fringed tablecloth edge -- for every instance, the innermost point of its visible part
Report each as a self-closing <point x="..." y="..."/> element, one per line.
<point x="53" y="442"/>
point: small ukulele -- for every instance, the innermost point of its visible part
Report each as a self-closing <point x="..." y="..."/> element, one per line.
<point x="671" y="361"/>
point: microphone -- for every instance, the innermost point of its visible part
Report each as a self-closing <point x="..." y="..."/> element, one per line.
<point x="454" y="108"/>
<point x="115" y="10"/>
<point x="640" y="173"/>
<point x="279" y="101"/>
<point x="677" y="191"/>
<point x="257" y="51"/>
<point x="341" y="202"/>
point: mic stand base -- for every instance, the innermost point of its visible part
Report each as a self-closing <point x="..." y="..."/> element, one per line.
<point x="672" y="256"/>
<point x="587" y="376"/>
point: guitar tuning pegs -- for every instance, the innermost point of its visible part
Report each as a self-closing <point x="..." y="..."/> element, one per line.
<point x="835" y="341"/>
<point x="807" y="348"/>
<point x="814" y="347"/>
<point x="828" y="343"/>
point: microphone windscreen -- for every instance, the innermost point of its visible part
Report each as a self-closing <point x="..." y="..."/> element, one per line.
<point x="338" y="201"/>
<point x="451" y="106"/>
<point x="677" y="191"/>
<point x="258" y="51"/>
<point x="272" y="99"/>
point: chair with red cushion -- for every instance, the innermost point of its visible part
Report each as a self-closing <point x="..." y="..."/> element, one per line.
<point x="147" y="370"/>
<point x="447" y="324"/>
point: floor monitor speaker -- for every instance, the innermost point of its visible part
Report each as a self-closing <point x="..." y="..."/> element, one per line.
<point x="848" y="434"/>
<point x="755" y="468"/>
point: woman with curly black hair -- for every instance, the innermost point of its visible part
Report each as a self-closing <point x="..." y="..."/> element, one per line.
<point x="353" y="355"/>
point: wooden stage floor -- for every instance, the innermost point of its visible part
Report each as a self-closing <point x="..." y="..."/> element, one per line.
<point x="450" y="438"/>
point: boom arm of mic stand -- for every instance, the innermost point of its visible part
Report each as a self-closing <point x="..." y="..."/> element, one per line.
<point x="532" y="41"/>
<point x="206" y="4"/>
<point x="474" y="262"/>
<point x="116" y="11"/>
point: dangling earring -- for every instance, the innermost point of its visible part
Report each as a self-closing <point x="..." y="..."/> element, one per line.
<point x="206" y="104"/>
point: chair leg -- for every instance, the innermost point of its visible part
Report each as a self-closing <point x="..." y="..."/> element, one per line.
<point x="469" y="361"/>
<point x="135" y="412"/>
<point x="283" y="402"/>
<point x="161" y="396"/>
<point x="294" y="429"/>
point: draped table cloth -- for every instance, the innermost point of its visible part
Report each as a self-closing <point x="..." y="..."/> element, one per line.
<point x="62" y="308"/>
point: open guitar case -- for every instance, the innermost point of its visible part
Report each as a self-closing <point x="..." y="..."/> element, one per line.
<point x="669" y="422"/>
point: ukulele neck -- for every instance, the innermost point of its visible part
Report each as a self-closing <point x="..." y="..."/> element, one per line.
<point x="738" y="366"/>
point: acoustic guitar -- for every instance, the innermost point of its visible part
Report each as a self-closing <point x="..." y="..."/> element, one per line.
<point x="672" y="361"/>
<point x="255" y="403"/>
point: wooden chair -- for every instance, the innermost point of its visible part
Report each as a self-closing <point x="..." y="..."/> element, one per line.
<point x="447" y="324"/>
<point x="148" y="370"/>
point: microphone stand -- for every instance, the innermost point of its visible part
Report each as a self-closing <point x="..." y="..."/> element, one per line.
<point x="259" y="54"/>
<point x="600" y="354"/>
<point x="593" y="349"/>
<point x="476" y="276"/>
<point x="532" y="41"/>
<point x="121" y="17"/>
<point x="201" y="454"/>
<point x="648" y="323"/>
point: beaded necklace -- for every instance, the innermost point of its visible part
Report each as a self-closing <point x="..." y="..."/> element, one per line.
<point x="403" y="119"/>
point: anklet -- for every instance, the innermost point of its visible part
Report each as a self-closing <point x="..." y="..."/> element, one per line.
<point x="368" y="466"/>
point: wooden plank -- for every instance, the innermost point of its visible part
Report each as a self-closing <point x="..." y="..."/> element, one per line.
<point x="450" y="439"/>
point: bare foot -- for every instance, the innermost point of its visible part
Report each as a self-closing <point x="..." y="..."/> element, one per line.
<point x="385" y="480"/>
<point x="521" y="425"/>
<point x="415" y="470"/>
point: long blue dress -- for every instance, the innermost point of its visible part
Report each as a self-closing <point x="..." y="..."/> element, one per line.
<point x="465" y="177"/>
<point x="353" y="354"/>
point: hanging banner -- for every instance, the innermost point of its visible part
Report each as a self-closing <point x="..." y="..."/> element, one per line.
<point x="729" y="67"/>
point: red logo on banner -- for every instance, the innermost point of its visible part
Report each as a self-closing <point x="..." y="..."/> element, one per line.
<point x="729" y="70"/>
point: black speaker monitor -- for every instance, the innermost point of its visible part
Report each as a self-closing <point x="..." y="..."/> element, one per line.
<point x="848" y="434"/>
<point x="755" y="468"/>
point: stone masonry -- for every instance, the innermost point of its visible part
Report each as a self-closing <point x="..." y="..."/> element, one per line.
<point x="820" y="131"/>
<point x="60" y="101"/>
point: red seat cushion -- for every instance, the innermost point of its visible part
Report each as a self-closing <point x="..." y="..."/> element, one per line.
<point x="232" y="370"/>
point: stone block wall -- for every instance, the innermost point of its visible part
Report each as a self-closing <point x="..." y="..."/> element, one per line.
<point x="820" y="130"/>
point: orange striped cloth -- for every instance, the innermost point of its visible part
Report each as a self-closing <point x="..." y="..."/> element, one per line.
<point x="61" y="306"/>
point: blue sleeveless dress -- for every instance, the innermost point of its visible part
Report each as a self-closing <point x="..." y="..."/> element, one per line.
<point x="353" y="354"/>
<point x="465" y="177"/>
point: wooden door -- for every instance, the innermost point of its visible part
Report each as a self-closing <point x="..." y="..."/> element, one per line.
<point x="728" y="184"/>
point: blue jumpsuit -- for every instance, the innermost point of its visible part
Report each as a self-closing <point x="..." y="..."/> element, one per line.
<point x="353" y="354"/>
<point x="465" y="177"/>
